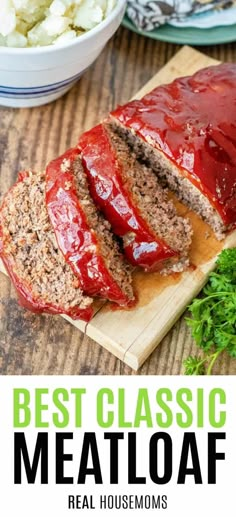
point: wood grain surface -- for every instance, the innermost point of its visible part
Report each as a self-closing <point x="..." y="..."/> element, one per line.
<point x="42" y="345"/>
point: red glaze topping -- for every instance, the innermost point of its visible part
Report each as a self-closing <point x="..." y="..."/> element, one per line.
<point x="193" y="121"/>
<point x="76" y="240"/>
<point x="113" y="198"/>
<point x="24" y="290"/>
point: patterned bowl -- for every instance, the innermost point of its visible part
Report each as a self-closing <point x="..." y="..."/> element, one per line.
<point x="35" y="76"/>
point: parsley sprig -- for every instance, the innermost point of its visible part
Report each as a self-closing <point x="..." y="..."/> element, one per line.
<point x="213" y="321"/>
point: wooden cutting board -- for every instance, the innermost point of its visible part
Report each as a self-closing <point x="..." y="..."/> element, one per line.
<point x="132" y="335"/>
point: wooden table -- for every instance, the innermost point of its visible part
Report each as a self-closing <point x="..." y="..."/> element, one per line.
<point x="45" y="345"/>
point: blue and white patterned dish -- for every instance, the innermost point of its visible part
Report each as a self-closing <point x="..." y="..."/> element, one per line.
<point x="35" y="76"/>
<point x="187" y="35"/>
<point x="208" y="20"/>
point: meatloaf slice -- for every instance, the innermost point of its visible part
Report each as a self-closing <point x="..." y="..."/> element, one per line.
<point x="186" y="132"/>
<point x="83" y="235"/>
<point x="137" y="207"/>
<point x="28" y="248"/>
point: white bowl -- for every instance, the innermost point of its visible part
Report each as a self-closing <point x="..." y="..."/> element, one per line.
<point x="35" y="76"/>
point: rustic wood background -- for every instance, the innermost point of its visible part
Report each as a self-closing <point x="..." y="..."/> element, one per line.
<point x="45" y="345"/>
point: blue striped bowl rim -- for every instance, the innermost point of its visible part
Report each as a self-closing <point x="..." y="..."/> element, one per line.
<point x="37" y="91"/>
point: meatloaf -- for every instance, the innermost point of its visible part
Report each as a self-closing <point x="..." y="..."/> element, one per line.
<point x="82" y="233"/>
<point x="135" y="204"/>
<point x="28" y="248"/>
<point x="186" y="131"/>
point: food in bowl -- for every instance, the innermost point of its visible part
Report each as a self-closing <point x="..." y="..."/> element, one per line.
<point x="34" y="76"/>
<point x="33" y="23"/>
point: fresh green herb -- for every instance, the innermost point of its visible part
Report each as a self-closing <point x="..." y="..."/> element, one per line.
<point x="213" y="320"/>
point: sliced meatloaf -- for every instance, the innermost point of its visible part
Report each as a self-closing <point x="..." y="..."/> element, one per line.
<point x="28" y="248"/>
<point x="83" y="235"/>
<point x="186" y="132"/>
<point x="135" y="204"/>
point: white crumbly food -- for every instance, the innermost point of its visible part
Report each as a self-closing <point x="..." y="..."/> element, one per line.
<point x="32" y="23"/>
